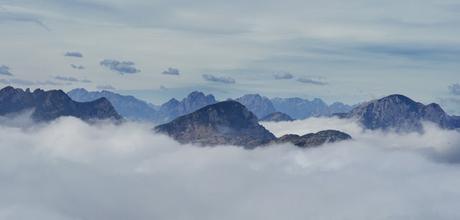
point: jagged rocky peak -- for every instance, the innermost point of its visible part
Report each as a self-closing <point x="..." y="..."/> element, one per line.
<point x="400" y="113"/>
<point x="261" y="106"/>
<point x="223" y="123"/>
<point x="276" y="117"/>
<point x="314" y="139"/>
<point x="49" y="105"/>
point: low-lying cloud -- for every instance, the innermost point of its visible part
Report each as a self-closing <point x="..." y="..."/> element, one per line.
<point x="73" y="54"/>
<point x="171" y="71"/>
<point x="219" y="79"/>
<point x="5" y="70"/>
<point x="121" y="67"/>
<point x="71" y="170"/>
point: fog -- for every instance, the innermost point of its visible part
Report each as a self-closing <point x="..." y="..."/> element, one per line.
<point x="72" y="170"/>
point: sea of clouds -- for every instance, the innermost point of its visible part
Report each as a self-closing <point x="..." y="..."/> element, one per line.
<point x="69" y="169"/>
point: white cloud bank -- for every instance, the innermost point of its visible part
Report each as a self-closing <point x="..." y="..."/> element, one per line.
<point x="71" y="170"/>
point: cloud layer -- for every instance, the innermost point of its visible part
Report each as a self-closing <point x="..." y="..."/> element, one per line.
<point x="71" y="170"/>
<point x="219" y="79"/>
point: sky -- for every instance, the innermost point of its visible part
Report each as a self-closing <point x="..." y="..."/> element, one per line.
<point x="349" y="51"/>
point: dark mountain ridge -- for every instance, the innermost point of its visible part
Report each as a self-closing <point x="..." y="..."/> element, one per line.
<point x="231" y="123"/>
<point x="49" y="105"/>
<point x="400" y="113"/>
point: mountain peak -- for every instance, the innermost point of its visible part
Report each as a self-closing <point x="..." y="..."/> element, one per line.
<point x="227" y="122"/>
<point x="399" y="112"/>
<point x="261" y="106"/>
<point x="49" y="105"/>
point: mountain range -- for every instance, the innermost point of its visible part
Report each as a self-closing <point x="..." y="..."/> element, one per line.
<point x="49" y="105"/>
<point x="200" y="119"/>
<point x="400" y="113"/>
<point x="136" y="109"/>
<point x="231" y="123"/>
<point x="298" y="108"/>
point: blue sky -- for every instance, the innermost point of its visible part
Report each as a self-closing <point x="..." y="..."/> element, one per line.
<point x="347" y="51"/>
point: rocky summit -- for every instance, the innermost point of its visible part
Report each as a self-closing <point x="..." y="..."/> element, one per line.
<point x="49" y="105"/>
<point x="276" y="117"/>
<point x="223" y="123"/>
<point x="314" y="139"/>
<point x="400" y="113"/>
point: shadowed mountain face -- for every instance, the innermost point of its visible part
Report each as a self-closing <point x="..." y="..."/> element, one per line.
<point x="299" y="108"/>
<point x="227" y="122"/>
<point x="127" y="106"/>
<point x="257" y="104"/>
<point x="49" y="105"/>
<point x="400" y="113"/>
<point x="314" y="139"/>
<point x="276" y="117"/>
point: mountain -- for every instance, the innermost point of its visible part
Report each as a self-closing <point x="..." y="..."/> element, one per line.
<point x="49" y="105"/>
<point x="299" y="108"/>
<point x="259" y="105"/>
<point x="314" y="139"/>
<point x="127" y="106"/>
<point x="400" y="113"/>
<point x="223" y="123"/>
<point x="138" y="110"/>
<point x="276" y="117"/>
<point x="174" y="108"/>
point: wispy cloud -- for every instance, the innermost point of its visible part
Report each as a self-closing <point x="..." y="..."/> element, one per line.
<point x="171" y="71"/>
<point x="454" y="89"/>
<point x="219" y="79"/>
<point x="280" y="76"/>
<point x="5" y="70"/>
<point x="71" y="79"/>
<point x="105" y="87"/>
<point x="78" y="67"/>
<point x="23" y="82"/>
<point x="67" y="78"/>
<point x="312" y="81"/>
<point x="121" y="67"/>
<point x="73" y="54"/>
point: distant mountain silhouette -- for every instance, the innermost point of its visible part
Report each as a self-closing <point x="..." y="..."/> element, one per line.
<point x="174" y="108"/>
<point x="138" y="110"/>
<point x="400" y="113"/>
<point x="299" y="108"/>
<point x="259" y="105"/>
<point x="49" y="105"/>
<point x="314" y="139"/>
<point x="276" y="117"/>
<point x="127" y="106"/>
